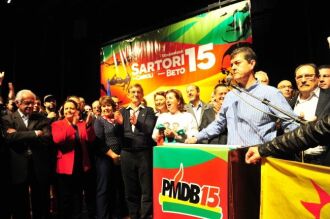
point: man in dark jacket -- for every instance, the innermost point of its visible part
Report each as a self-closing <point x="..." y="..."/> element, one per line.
<point x="28" y="139"/>
<point x="310" y="135"/>
<point x="138" y="122"/>
<point x="311" y="102"/>
<point x="4" y="169"/>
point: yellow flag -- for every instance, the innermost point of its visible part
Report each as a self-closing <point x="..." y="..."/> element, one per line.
<point x="294" y="190"/>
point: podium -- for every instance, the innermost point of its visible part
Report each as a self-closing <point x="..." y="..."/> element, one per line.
<point x="204" y="181"/>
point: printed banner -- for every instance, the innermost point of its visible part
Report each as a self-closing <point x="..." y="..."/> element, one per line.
<point x="192" y="51"/>
<point x="294" y="190"/>
<point x="190" y="182"/>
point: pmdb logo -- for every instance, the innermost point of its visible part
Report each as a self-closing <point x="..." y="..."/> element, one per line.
<point x="178" y="196"/>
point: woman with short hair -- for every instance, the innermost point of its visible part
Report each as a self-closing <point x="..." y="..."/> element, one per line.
<point x="175" y="125"/>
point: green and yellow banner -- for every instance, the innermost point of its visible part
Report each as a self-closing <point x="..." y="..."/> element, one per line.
<point x="194" y="50"/>
<point x="294" y="190"/>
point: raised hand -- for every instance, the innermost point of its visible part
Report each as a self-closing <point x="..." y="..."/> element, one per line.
<point x="118" y="117"/>
<point x="2" y="76"/>
<point x="89" y="118"/>
<point x="75" y="118"/>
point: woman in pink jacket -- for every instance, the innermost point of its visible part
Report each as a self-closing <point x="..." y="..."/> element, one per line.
<point x="71" y="136"/>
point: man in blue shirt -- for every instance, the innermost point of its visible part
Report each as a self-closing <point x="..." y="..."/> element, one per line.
<point x="248" y="120"/>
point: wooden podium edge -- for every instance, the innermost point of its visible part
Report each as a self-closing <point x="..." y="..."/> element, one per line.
<point x="243" y="187"/>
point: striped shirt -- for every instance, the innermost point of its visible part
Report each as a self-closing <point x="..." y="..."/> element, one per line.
<point x="246" y="125"/>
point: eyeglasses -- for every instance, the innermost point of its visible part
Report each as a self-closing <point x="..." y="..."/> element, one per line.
<point x="285" y="86"/>
<point x="307" y="76"/>
<point x="27" y="102"/>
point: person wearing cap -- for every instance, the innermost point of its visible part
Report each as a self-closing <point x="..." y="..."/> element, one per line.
<point x="50" y="107"/>
<point x="50" y="112"/>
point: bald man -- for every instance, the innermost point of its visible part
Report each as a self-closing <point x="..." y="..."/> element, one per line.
<point x="286" y="89"/>
<point x="262" y="77"/>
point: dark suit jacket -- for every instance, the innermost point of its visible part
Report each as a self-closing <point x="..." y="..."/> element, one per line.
<point x="23" y="138"/>
<point x="322" y="109"/>
<point x="207" y="118"/>
<point x="141" y="137"/>
<point x="323" y="105"/>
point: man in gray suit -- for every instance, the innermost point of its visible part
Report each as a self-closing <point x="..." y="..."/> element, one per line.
<point x="195" y="106"/>
<point x="210" y="114"/>
<point x="28" y="138"/>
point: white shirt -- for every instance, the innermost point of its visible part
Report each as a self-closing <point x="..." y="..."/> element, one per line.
<point x="179" y="121"/>
<point x="135" y="112"/>
<point x="307" y="107"/>
<point x="198" y="112"/>
<point x="24" y="118"/>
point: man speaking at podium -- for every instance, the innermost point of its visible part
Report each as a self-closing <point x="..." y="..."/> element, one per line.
<point x="247" y="119"/>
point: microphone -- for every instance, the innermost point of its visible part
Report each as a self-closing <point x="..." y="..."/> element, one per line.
<point x="228" y="80"/>
<point x="264" y="101"/>
<point x="228" y="83"/>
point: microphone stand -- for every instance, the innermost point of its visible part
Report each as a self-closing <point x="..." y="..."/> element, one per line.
<point x="267" y="103"/>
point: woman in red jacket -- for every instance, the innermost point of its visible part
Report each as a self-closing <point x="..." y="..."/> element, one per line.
<point x="71" y="136"/>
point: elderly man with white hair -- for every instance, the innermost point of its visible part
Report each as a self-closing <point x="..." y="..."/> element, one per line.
<point x="29" y="139"/>
<point x="262" y="77"/>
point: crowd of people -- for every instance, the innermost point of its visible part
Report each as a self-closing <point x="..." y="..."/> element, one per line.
<point x="98" y="158"/>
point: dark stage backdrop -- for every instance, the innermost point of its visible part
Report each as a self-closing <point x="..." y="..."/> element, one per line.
<point x="52" y="46"/>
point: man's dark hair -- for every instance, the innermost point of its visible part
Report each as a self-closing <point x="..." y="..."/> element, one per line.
<point x="249" y="54"/>
<point x="323" y="66"/>
<point x="316" y="70"/>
